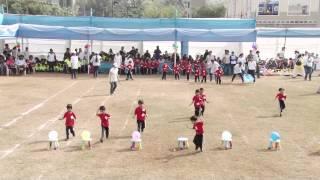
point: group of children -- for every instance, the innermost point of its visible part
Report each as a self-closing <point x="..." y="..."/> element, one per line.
<point x="199" y="100"/>
<point x="140" y="113"/>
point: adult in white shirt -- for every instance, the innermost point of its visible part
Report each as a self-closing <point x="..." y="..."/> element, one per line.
<point x="74" y="65"/>
<point x="308" y="66"/>
<point x="96" y="61"/>
<point x="117" y="60"/>
<point x="242" y="59"/>
<point x="21" y="64"/>
<point x="252" y="66"/>
<point x="51" y="60"/>
<point x="237" y="70"/>
<point x="113" y="78"/>
<point x="26" y="53"/>
<point x="214" y="66"/>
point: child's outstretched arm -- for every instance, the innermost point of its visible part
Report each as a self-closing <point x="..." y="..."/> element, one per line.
<point x="98" y="112"/>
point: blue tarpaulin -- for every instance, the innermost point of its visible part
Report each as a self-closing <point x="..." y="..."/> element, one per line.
<point x="130" y="23"/>
<point x="290" y="33"/>
<point x="8" y="31"/>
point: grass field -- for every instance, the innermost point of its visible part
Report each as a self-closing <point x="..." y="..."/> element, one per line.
<point x="30" y="107"/>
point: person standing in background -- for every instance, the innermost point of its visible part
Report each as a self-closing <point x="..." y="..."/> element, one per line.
<point x="51" y="60"/>
<point x="74" y="65"/>
<point x="233" y="61"/>
<point x="226" y="63"/>
<point x="96" y="61"/>
<point x="113" y="78"/>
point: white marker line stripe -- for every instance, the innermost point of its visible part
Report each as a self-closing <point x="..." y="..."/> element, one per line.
<point x="12" y="121"/>
<point x="10" y="151"/>
<point x="53" y="120"/>
<point x="37" y="106"/>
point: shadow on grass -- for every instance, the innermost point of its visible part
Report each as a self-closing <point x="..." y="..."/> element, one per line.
<point x="121" y="137"/>
<point x="98" y="95"/>
<point x="75" y="149"/>
<point x="269" y="116"/>
<point x="317" y="153"/>
<point x="41" y="150"/>
<point x="126" y="150"/>
<point x="172" y="157"/>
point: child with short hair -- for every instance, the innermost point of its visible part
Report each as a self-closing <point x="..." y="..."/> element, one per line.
<point x="104" y="117"/>
<point x="197" y="101"/>
<point x="129" y="70"/>
<point x="196" y="74"/>
<point x="176" y="70"/>
<point x="70" y="118"/>
<point x="198" y="127"/>
<point x="204" y="100"/>
<point x="281" y="98"/>
<point x="218" y="74"/>
<point x="203" y="74"/>
<point x="140" y="114"/>
<point x="188" y="70"/>
<point x="165" y="68"/>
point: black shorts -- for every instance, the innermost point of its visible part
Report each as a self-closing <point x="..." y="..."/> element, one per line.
<point x="282" y="104"/>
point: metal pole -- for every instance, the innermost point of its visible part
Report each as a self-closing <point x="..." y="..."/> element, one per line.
<point x="7" y="4"/>
<point x="112" y="8"/>
<point x="175" y="37"/>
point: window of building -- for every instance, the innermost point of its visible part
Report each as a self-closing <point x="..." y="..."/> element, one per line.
<point x="299" y="7"/>
<point x="268" y="7"/>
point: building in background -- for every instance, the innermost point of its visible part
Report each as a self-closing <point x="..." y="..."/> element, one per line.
<point x="276" y="13"/>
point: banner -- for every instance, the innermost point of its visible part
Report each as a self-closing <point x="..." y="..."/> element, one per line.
<point x="268" y="7"/>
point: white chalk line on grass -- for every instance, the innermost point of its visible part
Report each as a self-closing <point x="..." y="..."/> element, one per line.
<point x="47" y="123"/>
<point x="9" y="151"/>
<point x="8" y="124"/>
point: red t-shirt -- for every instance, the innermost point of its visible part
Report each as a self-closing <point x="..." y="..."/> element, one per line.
<point x="204" y="72"/>
<point x="70" y="117"/>
<point x="104" y="117"/>
<point x="197" y="72"/>
<point x="165" y="67"/>
<point x="197" y="101"/>
<point x="198" y="126"/>
<point x="188" y="68"/>
<point x="176" y="70"/>
<point x="141" y="113"/>
<point x="218" y="72"/>
<point x="281" y="96"/>
<point x="204" y="99"/>
<point x="129" y="66"/>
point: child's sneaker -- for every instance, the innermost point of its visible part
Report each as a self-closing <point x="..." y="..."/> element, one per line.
<point x="101" y="140"/>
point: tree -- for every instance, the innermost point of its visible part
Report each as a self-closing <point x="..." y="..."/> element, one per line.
<point x="35" y="7"/>
<point x="210" y="11"/>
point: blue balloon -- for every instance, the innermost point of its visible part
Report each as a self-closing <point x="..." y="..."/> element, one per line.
<point x="275" y="136"/>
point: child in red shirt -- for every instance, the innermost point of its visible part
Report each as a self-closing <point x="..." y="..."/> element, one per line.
<point x="197" y="74"/>
<point x="218" y="74"/>
<point x="198" y="127"/>
<point x="204" y="100"/>
<point x="104" y="117"/>
<point x="176" y="70"/>
<point x="204" y="74"/>
<point x="281" y="98"/>
<point x="141" y="114"/>
<point x="165" y="68"/>
<point x="129" y="69"/>
<point x="188" y="70"/>
<point x="197" y="102"/>
<point x="70" y="118"/>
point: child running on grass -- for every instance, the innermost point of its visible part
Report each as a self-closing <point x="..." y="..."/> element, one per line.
<point x="281" y="98"/>
<point x="204" y="100"/>
<point x="140" y="114"/>
<point x="218" y="74"/>
<point x="104" y="117"/>
<point x="197" y="102"/>
<point x="70" y="118"/>
<point x="198" y="127"/>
